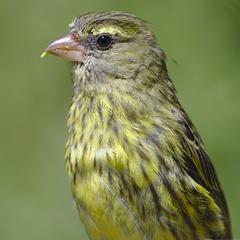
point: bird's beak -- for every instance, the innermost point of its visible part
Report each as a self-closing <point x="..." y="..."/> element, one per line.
<point x="67" y="47"/>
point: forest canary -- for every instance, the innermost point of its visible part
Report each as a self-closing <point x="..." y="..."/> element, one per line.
<point x="138" y="167"/>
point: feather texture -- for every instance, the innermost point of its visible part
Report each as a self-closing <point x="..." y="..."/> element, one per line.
<point x="139" y="169"/>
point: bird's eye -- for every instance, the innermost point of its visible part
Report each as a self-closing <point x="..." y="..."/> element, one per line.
<point x="104" y="41"/>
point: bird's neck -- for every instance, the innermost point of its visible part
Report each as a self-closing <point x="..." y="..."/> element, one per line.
<point x="103" y="120"/>
<point x="104" y="109"/>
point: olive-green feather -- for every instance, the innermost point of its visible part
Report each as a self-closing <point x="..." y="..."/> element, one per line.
<point x="139" y="169"/>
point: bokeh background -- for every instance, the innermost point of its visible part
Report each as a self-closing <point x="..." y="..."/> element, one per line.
<point x="202" y="41"/>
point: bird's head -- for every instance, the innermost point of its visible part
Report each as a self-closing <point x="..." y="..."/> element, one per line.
<point x="111" y="50"/>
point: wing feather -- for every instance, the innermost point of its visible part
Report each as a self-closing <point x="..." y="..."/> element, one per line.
<point x="198" y="165"/>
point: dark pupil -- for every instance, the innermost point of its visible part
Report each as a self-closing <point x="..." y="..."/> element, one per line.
<point x="104" y="41"/>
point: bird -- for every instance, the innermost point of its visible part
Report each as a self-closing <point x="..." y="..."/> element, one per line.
<point x="139" y="169"/>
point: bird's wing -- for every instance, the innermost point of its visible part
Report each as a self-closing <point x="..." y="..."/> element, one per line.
<point x="197" y="164"/>
<point x="196" y="161"/>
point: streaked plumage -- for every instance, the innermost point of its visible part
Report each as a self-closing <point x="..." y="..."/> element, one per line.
<point x="139" y="169"/>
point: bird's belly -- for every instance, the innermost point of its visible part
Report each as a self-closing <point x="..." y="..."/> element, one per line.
<point x="106" y="215"/>
<point x="101" y="209"/>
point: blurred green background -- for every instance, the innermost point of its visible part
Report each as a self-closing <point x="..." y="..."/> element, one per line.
<point x="202" y="36"/>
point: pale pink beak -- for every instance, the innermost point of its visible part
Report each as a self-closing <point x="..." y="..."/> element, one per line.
<point x="68" y="47"/>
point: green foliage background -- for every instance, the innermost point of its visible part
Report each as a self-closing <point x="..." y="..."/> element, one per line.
<point x="203" y="36"/>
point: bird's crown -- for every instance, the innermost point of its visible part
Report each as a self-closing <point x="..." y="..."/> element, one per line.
<point x="118" y="24"/>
